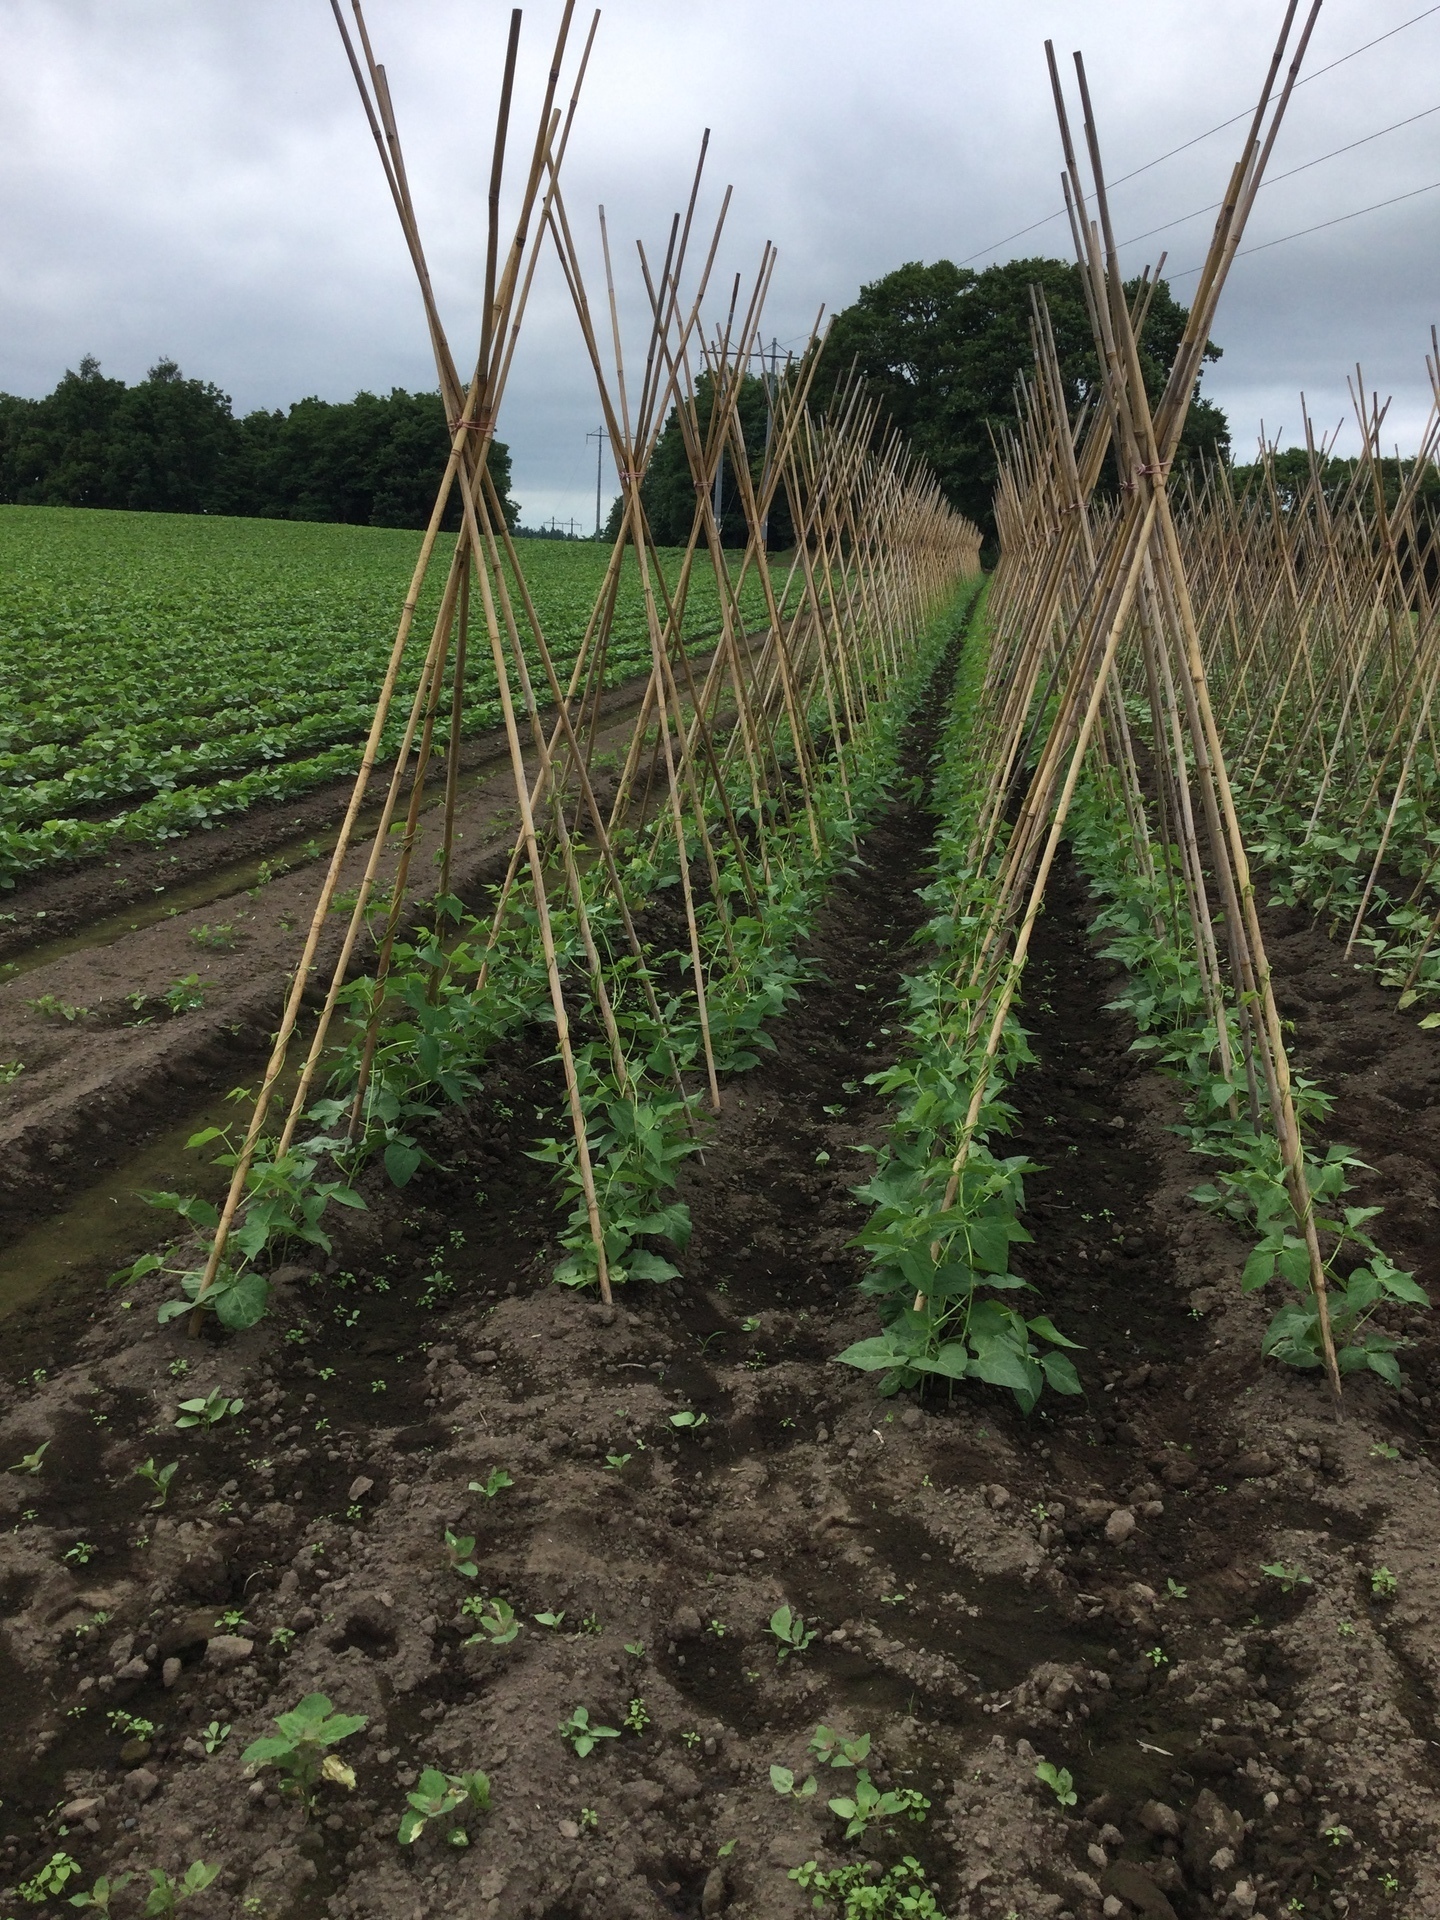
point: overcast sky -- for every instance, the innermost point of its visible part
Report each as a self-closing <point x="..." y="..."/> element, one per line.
<point x="196" y="178"/>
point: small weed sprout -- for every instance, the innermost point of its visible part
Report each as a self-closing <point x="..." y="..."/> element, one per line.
<point x="436" y="1796"/>
<point x="791" y="1631"/>
<point x="159" y="1478"/>
<point x="589" y="1820"/>
<point x="283" y="1638"/>
<point x="185" y="995"/>
<point x="1059" y="1782"/>
<point x="1383" y="1584"/>
<point x="219" y="939"/>
<point x="691" y="1739"/>
<point x="131" y="1725"/>
<point x="56" y="1009"/>
<point x="299" y="1749"/>
<point x="56" y="1874"/>
<point x="578" y="1733"/>
<point x="903" y="1890"/>
<point x="637" y="1718"/>
<point x="81" y="1554"/>
<point x="215" y="1736"/>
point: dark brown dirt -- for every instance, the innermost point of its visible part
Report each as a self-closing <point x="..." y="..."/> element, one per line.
<point x="1085" y="1587"/>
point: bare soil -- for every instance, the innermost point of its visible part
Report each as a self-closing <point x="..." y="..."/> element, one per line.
<point x="1084" y="1587"/>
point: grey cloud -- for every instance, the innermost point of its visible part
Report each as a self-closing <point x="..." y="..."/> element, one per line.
<point x="196" y="178"/>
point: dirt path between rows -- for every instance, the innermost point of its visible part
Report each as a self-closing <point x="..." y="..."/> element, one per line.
<point x="107" y="1061"/>
<point x="1085" y="1587"/>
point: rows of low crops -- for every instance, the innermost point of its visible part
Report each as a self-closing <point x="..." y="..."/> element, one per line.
<point x="419" y="1039"/>
<point x="159" y="672"/>
<point x="1316" y="597"/>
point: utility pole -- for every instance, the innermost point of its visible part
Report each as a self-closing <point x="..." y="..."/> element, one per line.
<point x="602" y="436"/>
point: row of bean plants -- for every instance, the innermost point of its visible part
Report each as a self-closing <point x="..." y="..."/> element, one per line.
<point x="950" y="1304"/>
<point x="437" y="1029"/>
<point x="1227" y="1121"/>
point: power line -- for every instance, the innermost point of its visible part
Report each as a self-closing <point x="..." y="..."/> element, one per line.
<point x="1274" y="179"/>
<point x="1245" y="114"/>
<point x="1339" y="220"/>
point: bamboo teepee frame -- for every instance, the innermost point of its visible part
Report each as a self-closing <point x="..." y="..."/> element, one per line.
<point x="1088" y="594"/>
<point x="877" y="549"/>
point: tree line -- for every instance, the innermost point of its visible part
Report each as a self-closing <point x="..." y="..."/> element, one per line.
<point x="941" y="348"/>
<point x="170" y="444"/>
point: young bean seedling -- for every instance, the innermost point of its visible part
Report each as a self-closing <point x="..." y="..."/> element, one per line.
<point x="581" y="1735"/>
<point x="299" y="1749"/>
<point x="496" y="1622"/>
<point x="868" y="1803"/>
<point x="436" y="1796"/>
<point x="834" y="1750"/>
<point x="497" y="1482"/>
<point x="209" y="1411"/>
<point x="166" y="1895"/>
<point x="791" y="1631"/>
<point x="159" y="1478"/>
<point x="1288" y="1577"/>
<point x="783" y="1781"/>
<point x="1059" y="1782"/>
<point x="102" y="1893"/>
<point x="460" y="1554"/>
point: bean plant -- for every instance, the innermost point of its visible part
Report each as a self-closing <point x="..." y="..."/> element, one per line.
<point x="300" y="1748"/>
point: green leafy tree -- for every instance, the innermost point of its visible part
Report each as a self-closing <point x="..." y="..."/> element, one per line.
<point x="172" y="445"/>
<point x="668" y="492"/>
<point x="942" y="346"/>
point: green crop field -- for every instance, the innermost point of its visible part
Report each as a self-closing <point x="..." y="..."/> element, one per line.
<point x="161" y="671"/>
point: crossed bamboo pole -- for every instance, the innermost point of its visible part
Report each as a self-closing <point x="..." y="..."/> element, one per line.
<point x="1077" y="579"/>
<point x="877" y="545"/>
